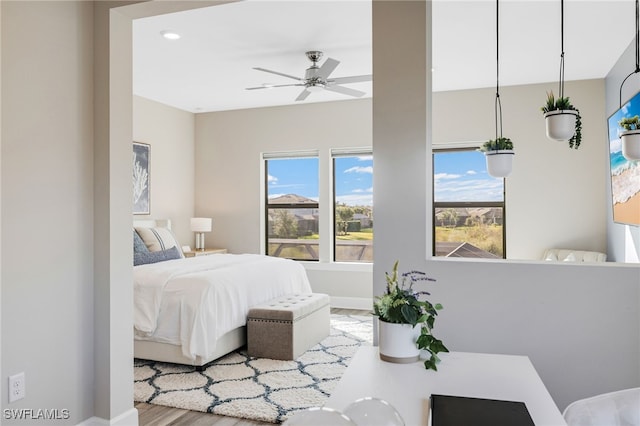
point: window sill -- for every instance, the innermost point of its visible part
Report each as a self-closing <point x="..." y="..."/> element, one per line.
<point x="337" y="266"/>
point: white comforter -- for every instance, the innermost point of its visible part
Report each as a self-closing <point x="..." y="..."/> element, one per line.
<point x="192" y="302"/>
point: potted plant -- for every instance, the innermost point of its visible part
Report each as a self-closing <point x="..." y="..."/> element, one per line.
<point x="630" y="137"/>
<point x="563" y="122"/>
<point x="405" y="321"/>
<point x="499" y="155"/>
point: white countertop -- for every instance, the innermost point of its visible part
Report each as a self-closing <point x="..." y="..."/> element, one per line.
<point x="408" y="387"/>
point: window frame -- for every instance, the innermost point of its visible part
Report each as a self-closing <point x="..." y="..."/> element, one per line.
<point x="267" y="206"/>
<point x="464" y="204"/>
<point x="326" y="212"/>
<point x="341" y="153"/>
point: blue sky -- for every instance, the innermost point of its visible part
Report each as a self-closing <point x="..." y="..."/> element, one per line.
<point x="354" y="178"/>
<point x="459" y="176"/>
<point x="293" y="176"/>
<point x="462" y="176"/>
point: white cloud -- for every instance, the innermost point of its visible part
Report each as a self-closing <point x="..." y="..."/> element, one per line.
<point x="471" y="172"/>
<point x="615" y="146"/>
<point x="355" y="199"/>
<point x="356" y="169"/>
<point x="470" y="190"/>
<point x="445" y="176"/>
<point x="361" y="191"/>
<point x="272" y="179"/>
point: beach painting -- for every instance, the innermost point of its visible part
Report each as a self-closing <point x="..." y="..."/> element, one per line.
<point x="625" y="174"/>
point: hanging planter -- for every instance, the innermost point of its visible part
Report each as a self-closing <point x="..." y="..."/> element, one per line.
<point x="498" y="152"/>
<point x="630" y="137"/>
<point x="499" y="156"/>
<point x="562" y="120"/>
<point x="560" y="124"/>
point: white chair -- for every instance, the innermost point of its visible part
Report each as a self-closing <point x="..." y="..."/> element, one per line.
<point x="569" y="255"/>
<point x="621" y="408"/>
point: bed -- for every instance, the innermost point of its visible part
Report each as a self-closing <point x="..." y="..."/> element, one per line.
<point x="193" y="310"/>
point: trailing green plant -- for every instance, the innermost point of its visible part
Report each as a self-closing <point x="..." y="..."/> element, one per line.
<point x="630" y="123"/>
<point x="496" y="144"/>
<point x="564" y="104"/>
<point x="401" y="304"/>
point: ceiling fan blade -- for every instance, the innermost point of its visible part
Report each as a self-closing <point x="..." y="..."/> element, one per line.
<point x="327" y="68"/>
<point x="271" y="86"/>
<point x="345" y="91"/>
<point x="303" y="95"/>
<point x="277" y="73"/>
<point x="352" y="79"/>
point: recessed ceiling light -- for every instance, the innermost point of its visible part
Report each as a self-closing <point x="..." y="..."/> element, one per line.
<point x="170" y="35"/>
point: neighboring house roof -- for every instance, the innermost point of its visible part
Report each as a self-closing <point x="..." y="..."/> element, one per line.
<point x="462" y="249"/>
<point x="292" y="199"/>
<point x="476" y="211"/>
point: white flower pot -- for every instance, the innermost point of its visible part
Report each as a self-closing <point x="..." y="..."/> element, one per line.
<point x="397" y="342"/>
<point x="561" y="124"/>
<point x="631" y="144"/>
<point x="499" y="162"/>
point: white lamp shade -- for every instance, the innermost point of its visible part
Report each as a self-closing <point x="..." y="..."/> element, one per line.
<point x="201" y="224"/>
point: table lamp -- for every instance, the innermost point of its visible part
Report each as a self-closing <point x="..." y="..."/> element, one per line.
<point x="200" y="225"/>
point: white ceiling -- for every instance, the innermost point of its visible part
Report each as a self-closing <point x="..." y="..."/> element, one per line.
<point x="210" y="66"/>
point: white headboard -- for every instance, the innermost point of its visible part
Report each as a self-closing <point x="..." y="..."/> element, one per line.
<point x="152" y="223"/>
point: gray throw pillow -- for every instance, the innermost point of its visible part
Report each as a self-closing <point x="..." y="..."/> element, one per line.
<point x="156" y="256"/>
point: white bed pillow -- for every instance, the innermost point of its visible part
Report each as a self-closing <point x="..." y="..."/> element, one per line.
<point x="158" y="239"/>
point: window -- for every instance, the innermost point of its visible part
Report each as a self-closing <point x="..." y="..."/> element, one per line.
<point x="318" y="205"/>
<point x="353" y="206"/>
<point x="469" y="208"/>
<point x="292" y="207"/>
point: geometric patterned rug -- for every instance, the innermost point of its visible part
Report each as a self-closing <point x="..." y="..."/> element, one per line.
<point x="261" y="389"/>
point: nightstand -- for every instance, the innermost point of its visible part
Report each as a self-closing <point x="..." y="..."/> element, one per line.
<point x="205" y="252"/>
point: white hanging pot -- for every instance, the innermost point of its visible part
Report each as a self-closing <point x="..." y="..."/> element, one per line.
<point x="397" y="342"/>
<point x="499" y="162"/>
<point x="561" y="124"/>
<point x="631" y="144"/>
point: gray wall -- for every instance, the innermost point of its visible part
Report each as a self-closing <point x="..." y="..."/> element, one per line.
<point x="47" y="204"/>
<point x="170" y="132"/>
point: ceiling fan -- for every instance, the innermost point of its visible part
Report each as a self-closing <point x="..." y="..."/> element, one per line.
<point x="316" y="78"/>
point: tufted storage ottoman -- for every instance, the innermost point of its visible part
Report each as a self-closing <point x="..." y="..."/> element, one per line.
<point x="285" y="327"/>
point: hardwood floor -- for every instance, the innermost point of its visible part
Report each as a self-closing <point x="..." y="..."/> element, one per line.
<point x="158" y="415"/>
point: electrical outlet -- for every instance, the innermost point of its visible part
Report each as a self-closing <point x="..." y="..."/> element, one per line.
<point x="16" y="387"/>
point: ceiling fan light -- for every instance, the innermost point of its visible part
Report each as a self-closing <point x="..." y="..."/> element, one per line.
<point x="315" y="87"/>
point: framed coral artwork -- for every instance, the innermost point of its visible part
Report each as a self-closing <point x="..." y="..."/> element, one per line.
<point x="141" y="202"/>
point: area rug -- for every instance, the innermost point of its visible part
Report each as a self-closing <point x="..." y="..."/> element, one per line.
<point x="256" y="388"/>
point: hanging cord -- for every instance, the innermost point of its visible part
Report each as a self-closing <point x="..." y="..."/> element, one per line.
<point x="498" y="105"/>
<point x="637" y="70"/>
<point x="561" y="81"/>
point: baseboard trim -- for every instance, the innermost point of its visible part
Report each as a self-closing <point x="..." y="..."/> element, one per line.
<point x="128" y="418"/>
<point x="352" y="303"/>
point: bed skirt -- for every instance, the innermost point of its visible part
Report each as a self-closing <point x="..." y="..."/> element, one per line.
<point x="166" y="352"/>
